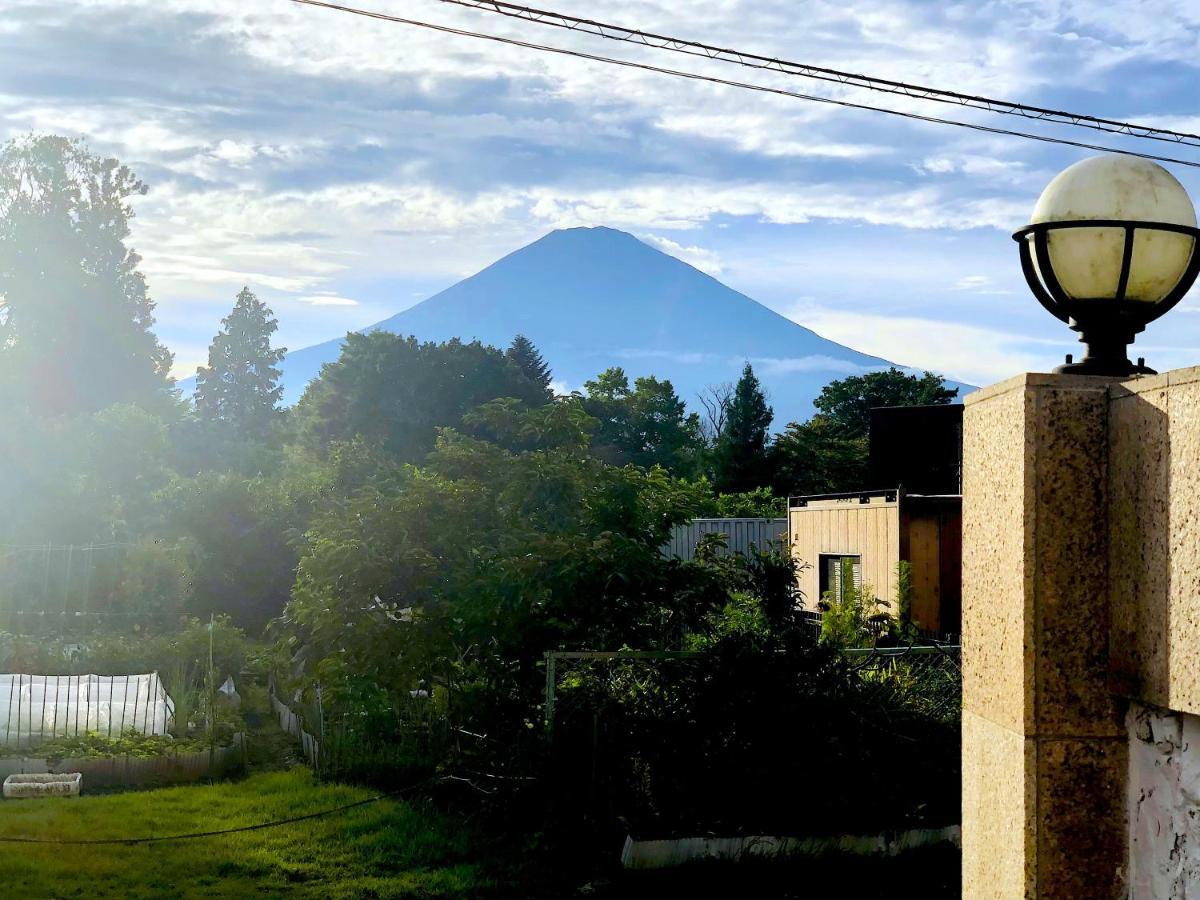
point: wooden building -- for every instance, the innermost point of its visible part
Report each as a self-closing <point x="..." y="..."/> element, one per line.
<point x="869" y="534"/>
<point x="866" y="534"/>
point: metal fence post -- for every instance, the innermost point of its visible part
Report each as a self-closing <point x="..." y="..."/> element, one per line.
<point x="550" y="687"/>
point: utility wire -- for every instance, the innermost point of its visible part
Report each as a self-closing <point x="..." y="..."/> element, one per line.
<point x="988" y="129"/>
<point x="755" y="61"/>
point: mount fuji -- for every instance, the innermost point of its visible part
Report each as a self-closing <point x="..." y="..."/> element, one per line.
<point x="591" y="298"/>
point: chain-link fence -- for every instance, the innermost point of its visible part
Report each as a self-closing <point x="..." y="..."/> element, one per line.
<point x="922" y="679"/>
<point x="913" y="680"/>
<point x="802" y="739"/>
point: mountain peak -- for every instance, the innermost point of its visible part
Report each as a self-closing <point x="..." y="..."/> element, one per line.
<point x="595" y="297"/>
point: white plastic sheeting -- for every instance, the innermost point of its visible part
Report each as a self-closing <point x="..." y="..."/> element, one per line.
<point x="36" y="707"/>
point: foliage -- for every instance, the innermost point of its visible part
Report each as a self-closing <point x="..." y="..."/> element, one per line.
<point x="526" y="357"/>
<point x="828" y="453"/>
<point x="646" y="425"/>
<point x="740" y="461"/>
<point x="846" y="404"/>
<point x="98" y="746"/>
<point x="760" y="503"/>
<point x="396" y="392"/>
<point x="88" y="478"/>
<point x="75" y="315"/>
<point x="240" y="385"/>
<point x="132" y="652"/>
<point x="904" y="592"/>
<point x="727" y="742"/>
<point x="809" y="458"/>
<point x="853" y="616"/>
<point x="245" y="533"/>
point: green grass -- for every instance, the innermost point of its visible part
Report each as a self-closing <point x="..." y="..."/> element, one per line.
<point x="385" y="849"/>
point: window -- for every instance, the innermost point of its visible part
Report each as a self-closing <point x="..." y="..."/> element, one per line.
<point x="838" y="573"/>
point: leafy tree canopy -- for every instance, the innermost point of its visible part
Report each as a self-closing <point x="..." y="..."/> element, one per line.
<point x="646" y="425"/>
<point x="846" y="404"/>
<point x="396" y="391"/>
<point x="75" y="315"/>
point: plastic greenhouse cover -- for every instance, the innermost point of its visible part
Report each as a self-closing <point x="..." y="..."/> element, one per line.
<point x="43" y="706"/>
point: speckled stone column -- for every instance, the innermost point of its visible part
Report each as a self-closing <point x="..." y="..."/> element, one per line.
<point x="1044" y="745"/>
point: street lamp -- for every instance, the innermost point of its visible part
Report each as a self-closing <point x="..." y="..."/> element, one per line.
<point x="1112" y="246"/>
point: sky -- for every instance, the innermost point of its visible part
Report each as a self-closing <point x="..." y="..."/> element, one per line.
<point x="346" y="168"/>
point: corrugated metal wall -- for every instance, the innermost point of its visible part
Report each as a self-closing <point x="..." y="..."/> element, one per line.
<point x="741" y="534"/>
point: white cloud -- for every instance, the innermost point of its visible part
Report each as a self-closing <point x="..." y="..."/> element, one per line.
<point x="327" y="300"/>
<point x="978" y="284"/>
<point x="960" y="351"/>
<point x="814" y="363"/>
<point x="699" y="257"/>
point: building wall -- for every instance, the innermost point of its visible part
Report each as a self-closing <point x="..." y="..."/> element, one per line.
<point x="931" y="541"/>
<point x="847" y="526"/>
<point x="741" y="535"/>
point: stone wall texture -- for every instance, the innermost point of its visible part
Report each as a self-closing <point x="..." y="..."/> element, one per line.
<point x="1044" y="744"/>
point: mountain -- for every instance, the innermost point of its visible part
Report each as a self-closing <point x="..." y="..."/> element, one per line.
<point x="591" y="298"/>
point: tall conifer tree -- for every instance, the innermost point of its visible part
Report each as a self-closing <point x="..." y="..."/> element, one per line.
<point x="527" y="358"/>
<point x="740" y="458"/>
<point x="240" y="385"/>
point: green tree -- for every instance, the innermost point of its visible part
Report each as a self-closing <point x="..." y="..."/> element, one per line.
<point x="828" y="453"/>
<point x="396" y="391"/>
<point x="75" y="315"/>
<point x="645" y="426"/>
<point x="527" y="358"/>
<point x="240" y="386"/>
<point x="740" y="458"/>
<point x="814" y="458"/>
<point x="846" y="404"/>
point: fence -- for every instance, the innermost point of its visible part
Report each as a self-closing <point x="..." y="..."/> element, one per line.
<point x="740" y="535"/>
<point x="929" y="676"/>
<point x="685" y="742"/>
<point x="923" y="680"/>
<point x="294" y="725"/>
<point x="36" y="707"/>
<point x="132" y="771"/>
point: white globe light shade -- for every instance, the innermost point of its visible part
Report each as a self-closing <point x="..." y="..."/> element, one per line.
<point x="1087" y="261"/>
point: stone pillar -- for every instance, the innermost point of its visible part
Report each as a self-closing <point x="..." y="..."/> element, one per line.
<point x="1045" y="753"/>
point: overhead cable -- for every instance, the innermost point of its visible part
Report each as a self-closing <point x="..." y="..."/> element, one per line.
<point x="614" y="32"/>
<point x="694" y="76"/>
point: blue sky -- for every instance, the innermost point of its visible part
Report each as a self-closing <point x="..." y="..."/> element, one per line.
<point x="346" y="168"/>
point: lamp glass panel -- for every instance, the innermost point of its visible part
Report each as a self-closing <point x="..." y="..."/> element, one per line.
<point x="1159" y="261"/>
<point x="1086" y="261"/>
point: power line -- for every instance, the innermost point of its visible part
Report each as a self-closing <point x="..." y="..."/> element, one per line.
<point x="694" y="76"/>
<point x="755" y="61"/>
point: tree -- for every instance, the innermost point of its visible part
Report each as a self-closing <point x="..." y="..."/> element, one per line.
<point x="396" y="392"/>
<point x="715" y="398"/>
<point x="240" y="386"/>
<point x="846" y="404"/>
<point x="809" y="458"/>
<point x="645" y="426"/>
<point x="75" y="316"/>
<point x="525" y="355"/>
<point x="740" y="459"/>
<point x="828" y="453"/>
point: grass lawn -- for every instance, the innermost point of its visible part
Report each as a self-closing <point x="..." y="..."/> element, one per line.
<point x="385" y="849"/>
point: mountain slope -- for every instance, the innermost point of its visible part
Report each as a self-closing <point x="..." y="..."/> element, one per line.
<point x="591" y="298"/>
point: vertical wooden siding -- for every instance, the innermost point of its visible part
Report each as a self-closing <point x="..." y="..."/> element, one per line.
<point x="870" y="530"/>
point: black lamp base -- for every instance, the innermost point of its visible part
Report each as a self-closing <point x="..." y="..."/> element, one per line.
<point x="1109" y="366"/>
